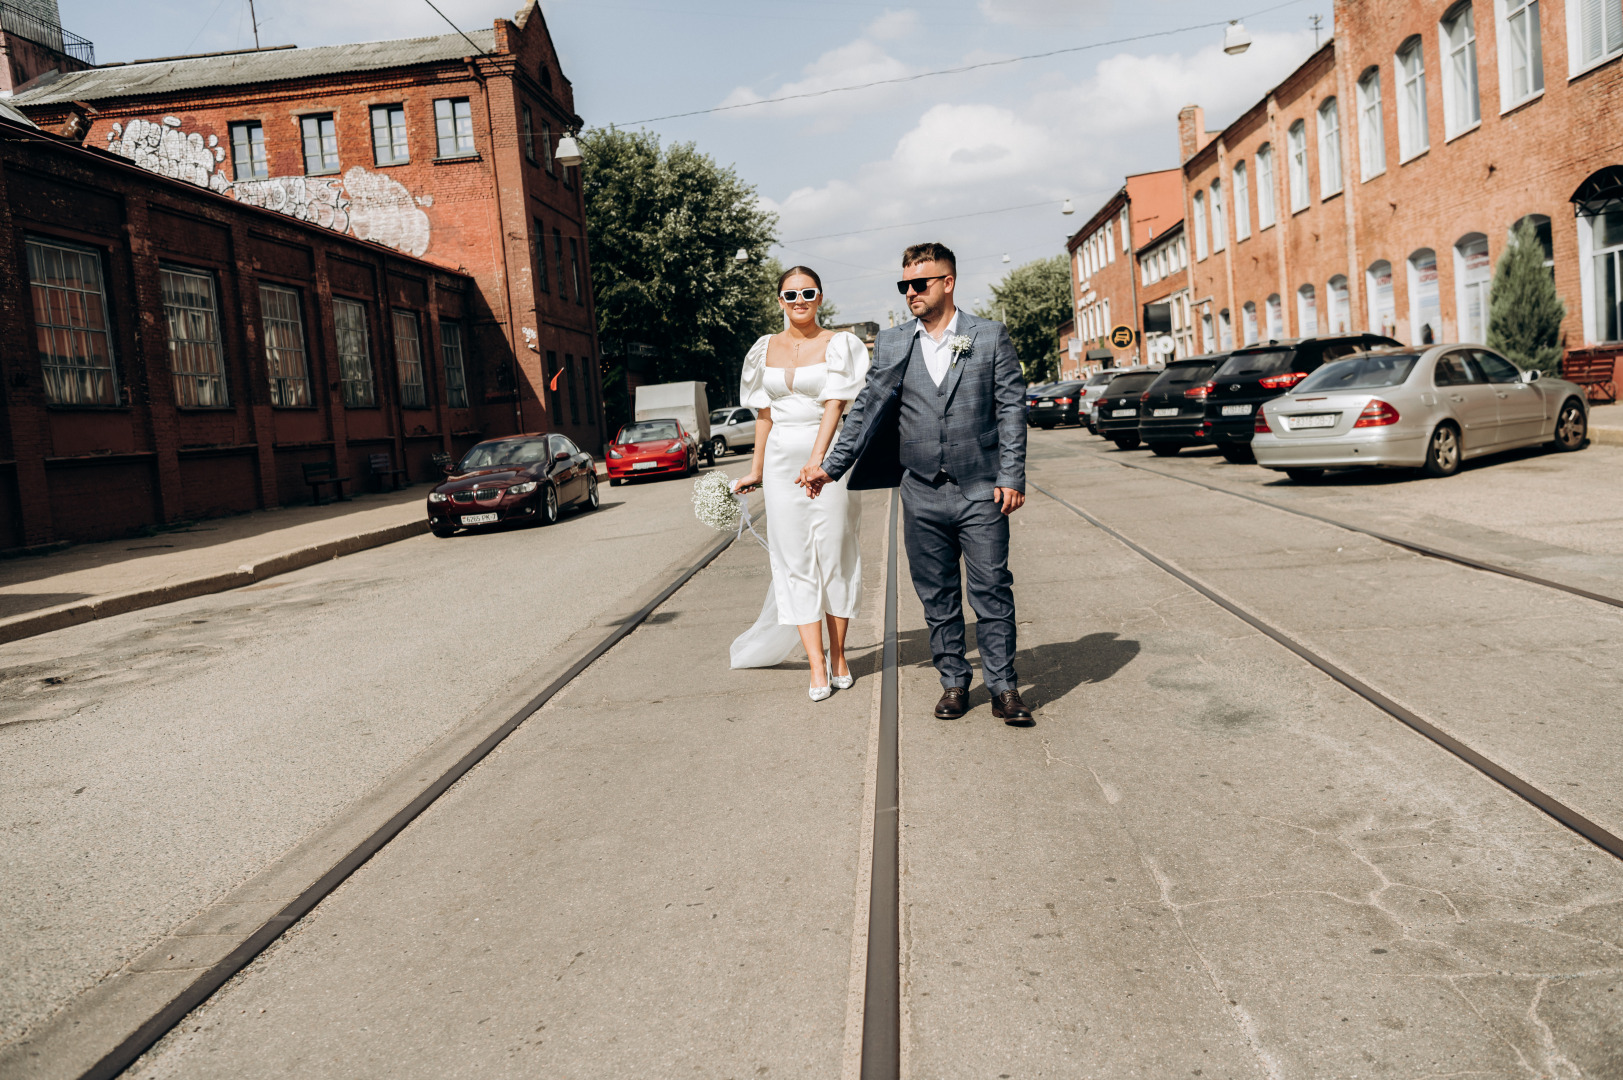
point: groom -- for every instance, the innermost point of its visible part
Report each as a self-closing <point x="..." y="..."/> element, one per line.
<point x="943" y="412"/>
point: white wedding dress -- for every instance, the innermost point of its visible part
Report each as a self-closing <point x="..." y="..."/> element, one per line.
<point x="814" y="543"/>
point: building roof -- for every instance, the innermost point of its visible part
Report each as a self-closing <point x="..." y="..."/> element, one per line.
<point x="8" y="113"/>
<point x="241" y="69"/>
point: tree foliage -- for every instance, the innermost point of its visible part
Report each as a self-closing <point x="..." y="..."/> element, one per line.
<point x="664" y="225"/>
<point x="1524" y="310"/>
<point x="1034" y="301"/>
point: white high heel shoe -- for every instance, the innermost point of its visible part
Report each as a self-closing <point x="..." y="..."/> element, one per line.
<point x="842" y="682"/>
<point x="820" y="693"/>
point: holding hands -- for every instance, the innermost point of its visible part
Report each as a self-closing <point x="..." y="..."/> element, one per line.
<point x="812" y="478"/>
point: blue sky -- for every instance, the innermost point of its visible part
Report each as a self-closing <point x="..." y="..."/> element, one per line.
<point x="1035" y="132"/>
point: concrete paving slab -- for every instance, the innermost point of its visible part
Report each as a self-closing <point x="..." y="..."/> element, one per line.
<point x="655" y="876"/>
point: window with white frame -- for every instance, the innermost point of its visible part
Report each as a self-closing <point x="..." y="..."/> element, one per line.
<point x="1338" y="305"/>
<point x="1425" y="301"/>
<point x="1248" y="322"/>
<point x="1521" y="52"/>
<point x="1329" y="148"/>
<point x="453" y="127"/>
<point x="1462" y="105"/>
<point x="1594" y="32"/>
<point x="1110" y="249"/>
<point x="389" y="135"/>
<point x="1242" y="203"/>
<point x="1296" y="139"/>
<point x="1371" y="126"/>
<point x="1208" y="336"/>
<point x="1472" y="275"/>
<point x="1265" y="186"/>
<point x="1106" y="326"/>
<point x="1378" y="289"/>
<point x="196" y="358"/>
<point x="1225" y="330"/>
<point x="1606" y="257"/>
<point x="408" y="349"/>
<point x="1126" y="234"/>
<point x="1412" y="135"/>
<point x="1199" y="201"/>
<point x="1220" y="224"/>
<point x="71" y="325"/>
<point x="320" y="144"/>
<point x="354" y="353"/>
<point x="1276" y="318"/>
<point x="286" y="363"/>
<point x="1307" y="312"/>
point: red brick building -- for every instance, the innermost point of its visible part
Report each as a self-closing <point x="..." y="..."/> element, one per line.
<point x="33" y="43"/>
<point x="1105" y="281"/>
<point x="1375" y="187"/>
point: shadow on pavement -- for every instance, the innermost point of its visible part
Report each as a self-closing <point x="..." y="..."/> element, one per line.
<point x="1047" y="672"/>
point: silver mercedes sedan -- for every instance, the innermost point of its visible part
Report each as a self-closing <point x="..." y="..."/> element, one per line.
<point x="1427" y="409"/>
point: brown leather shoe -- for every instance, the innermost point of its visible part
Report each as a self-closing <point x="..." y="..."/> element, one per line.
<point x="1008" y="708"/>
<point x="953" y="704"/>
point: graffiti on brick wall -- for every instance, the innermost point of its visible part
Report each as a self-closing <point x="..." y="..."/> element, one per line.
<point x="369" y="205"/>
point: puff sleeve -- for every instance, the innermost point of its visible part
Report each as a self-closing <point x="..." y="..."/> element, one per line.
<point x="752" y="383"/>
<point x="847" y="368"/>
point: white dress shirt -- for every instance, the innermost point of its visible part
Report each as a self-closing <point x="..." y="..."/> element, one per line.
<point x="937" y="357"/>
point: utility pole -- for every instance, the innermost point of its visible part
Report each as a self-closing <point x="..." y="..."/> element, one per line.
<point x="255" y="20"/>
<point x="1315" y="21"/>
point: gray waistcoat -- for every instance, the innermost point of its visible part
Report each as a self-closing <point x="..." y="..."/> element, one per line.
<point x="922" y="418"/>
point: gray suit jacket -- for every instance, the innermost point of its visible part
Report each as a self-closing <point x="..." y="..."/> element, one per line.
<point x="980" y="432"/>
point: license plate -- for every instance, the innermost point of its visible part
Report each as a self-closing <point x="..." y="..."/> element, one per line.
<point x="1297" y="423"/>
<point x="1046" y="401"/>
<point x="1236" y="410"/>
<point x="646" y="465"/>
<point x="1123" y="412"/>
<point x="479" y="519"/>
<point x="1165" y="412"/>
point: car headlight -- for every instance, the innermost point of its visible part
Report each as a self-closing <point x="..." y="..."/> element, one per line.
<point x="615" y="453"/>
<point x="437" y="496"/>
<point x="675" y="447"/>
<point x="522" y="489"/>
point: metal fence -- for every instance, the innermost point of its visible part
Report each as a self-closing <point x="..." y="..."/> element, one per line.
<point x="28" y="25"/>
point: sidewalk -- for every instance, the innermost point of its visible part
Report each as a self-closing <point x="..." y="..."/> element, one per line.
<point x="1606" y="424"/>
<point x="42" y="593"/>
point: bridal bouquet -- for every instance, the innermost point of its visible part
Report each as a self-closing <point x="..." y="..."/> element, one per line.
<point x="715" y="504"/>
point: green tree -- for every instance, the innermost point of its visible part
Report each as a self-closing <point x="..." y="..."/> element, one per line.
<point x="664" y="225"/>
<point x="1524" y="310"/>
<point x="1034" y="301"/>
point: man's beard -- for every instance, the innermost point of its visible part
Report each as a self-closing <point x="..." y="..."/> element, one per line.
<point x="930" y="310"/>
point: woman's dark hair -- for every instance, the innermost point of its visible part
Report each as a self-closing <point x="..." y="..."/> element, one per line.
<point x="808" y="271"/>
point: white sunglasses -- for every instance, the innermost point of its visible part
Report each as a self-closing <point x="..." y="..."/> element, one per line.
<point x="792" y="295"/>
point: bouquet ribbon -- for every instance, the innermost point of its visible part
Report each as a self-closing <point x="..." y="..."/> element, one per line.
<point x="744" y="521"/>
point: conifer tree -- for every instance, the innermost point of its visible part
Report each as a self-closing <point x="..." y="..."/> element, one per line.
<point x="1524" y="311"/>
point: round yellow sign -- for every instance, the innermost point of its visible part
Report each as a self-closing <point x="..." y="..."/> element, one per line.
<point x="1122" y="336"/>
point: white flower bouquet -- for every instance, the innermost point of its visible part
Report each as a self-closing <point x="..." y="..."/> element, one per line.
<point x="715" y="504"/>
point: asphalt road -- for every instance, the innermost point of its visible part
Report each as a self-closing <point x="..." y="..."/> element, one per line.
<point x="1206" y="859"/>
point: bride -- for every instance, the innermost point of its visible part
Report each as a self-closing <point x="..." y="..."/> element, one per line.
<point x="800" y="383"/>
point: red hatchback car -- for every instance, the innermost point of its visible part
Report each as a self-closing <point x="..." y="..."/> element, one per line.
<point x="652" y="448"/>
<point x="518" y="478"/>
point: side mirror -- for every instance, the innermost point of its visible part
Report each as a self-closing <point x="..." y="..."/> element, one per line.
<point x="562" y="455"/>
<point x="1530" y="376"/>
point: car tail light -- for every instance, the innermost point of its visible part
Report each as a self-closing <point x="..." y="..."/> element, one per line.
<point x="1282" y="382"/>
<point x="1377" y="414"/>
<point x="1062" y="401"/>
<point x="1261" y="426"/>
<point x="1200" y="392"/>
<point x="1145" y="396"/>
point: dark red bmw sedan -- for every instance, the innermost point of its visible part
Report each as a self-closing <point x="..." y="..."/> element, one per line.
<point x="518" y="478"/>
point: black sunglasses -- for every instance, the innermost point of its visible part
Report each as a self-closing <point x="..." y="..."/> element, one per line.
<point x="918" y="284"/>
<point x="792" y="295"/>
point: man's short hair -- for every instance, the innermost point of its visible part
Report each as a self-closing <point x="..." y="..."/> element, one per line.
<point x="939" y="253"/>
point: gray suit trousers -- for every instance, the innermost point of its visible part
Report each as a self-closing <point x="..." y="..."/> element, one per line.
<point x="940" y="527"/>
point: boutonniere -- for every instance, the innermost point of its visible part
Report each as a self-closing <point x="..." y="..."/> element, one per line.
<point x="959" y="344"/>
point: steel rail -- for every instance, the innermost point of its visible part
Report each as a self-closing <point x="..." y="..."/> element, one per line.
<point x="882" y="994"/>
<point x="1396" y="541"/>
<point x="1562" y="813"/>
<point x="138" y="1042"/>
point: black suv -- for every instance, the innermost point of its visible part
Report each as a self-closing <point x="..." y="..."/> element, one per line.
<point x="1172" y="414"/>
<point x="1116" y="415"/>
<point x="1259" y="373"/>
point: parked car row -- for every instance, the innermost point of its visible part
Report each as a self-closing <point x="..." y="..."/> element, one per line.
<point x="1341" y="401"/>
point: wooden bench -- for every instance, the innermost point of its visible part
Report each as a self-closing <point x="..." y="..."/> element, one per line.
<point x="1595" y="370"/>
<point x="324" y="472"/>
<point x="444" y="462"/>
<point x="383" y="466"/>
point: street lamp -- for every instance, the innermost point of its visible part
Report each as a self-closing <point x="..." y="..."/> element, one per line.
<point x="742" y="256"/>
<point x="1005" y="256"/>
<point x="1068" y="208"/>
<point x="1235" y="39"/>
<point x="568" y="152"/>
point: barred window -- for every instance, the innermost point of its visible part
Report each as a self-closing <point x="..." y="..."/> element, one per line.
<point x="546" y="146"/>
<point x="285" y="359"/>
<point x="456" y="374"/>
<point x="389" y="135"/>
<point x="196" y="358"/>
<point x="453" y="125"/>
<point x="409" y="360"/>
<point x="354" y="353"/>
<point x="529" y="134"/>
<point x="71" y="323"/>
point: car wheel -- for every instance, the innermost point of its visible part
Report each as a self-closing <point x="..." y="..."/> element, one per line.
<point x="718" y="447"/>
<point x="549" y="506"/>
<point x="1165" y="449"/>
<point x="592" y="497"/>
<point x="1443" y="452"/>
<point x="1125" y="442"/>
<point x="1304" y="476"/>
<point x="1046" y="427"/>
<point x="1571" y="427"/>
<point x="1239" y="455"/>
<point x="443" y="532"/>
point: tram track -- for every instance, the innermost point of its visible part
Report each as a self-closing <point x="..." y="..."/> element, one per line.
<point x="1386" y="538"/>
<point x="1563" y="814"/>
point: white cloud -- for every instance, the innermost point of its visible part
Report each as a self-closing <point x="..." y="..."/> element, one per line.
<point x="860" y="61"/>
<point x="894" y="25"/>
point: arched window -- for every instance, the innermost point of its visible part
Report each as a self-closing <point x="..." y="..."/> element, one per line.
<point x="1276" y="318"/>
<point x="1462" y="105"/>
<point x="1225" y="326"/>
<point x="1220" y="224"/>
<point x="1382" y="307"/>
<point x="1242" y="203"/>
<point x="1371" y="126"/>
<point x="1297" y="165"/>
<point x="1307" y="312"/>
<point x="1541" y="230"/>
<point x="1412" y="135"/>
<point x="1599" y="202"/>
<point x="1329" y="148"/>
<point x="1473" y="272"/>
<point x="1248" y="322"/>
<point x="1425" y="303"/>
<point x="1265" y="186"/>
<point x="1208" y="337"/>
<point x="1200" y="225"/>
<point x="1338" y="303"/>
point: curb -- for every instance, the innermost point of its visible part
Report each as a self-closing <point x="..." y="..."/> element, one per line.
<point x="83" y="611"/>
<point x="1606" y="436"/>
